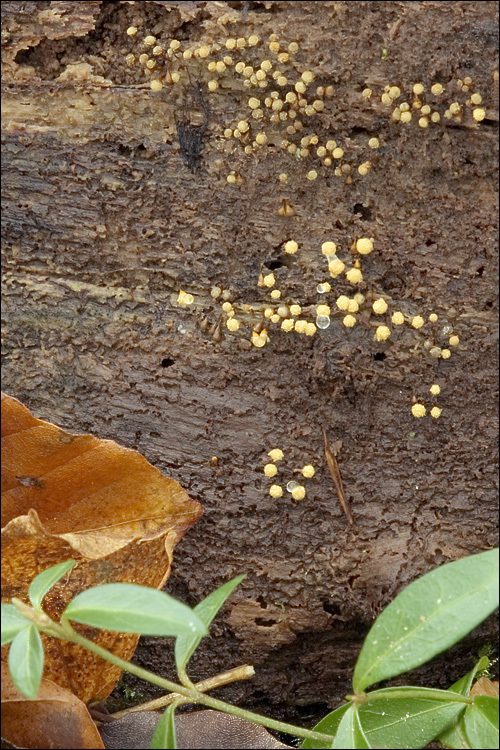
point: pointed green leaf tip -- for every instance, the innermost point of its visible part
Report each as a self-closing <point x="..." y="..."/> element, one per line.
<point x="428" y="616"/>
<point x="206" y="611"/>
<point x="44" y="581"/>
<point x="26" y="661"/>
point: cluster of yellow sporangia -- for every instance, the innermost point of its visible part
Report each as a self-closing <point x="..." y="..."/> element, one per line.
<point x="427" y="105"/>
<point x="281" y="104"/>
<point x="297" y="490"/>
<point x="419" y="410"/>
<point x="290" y="316"/>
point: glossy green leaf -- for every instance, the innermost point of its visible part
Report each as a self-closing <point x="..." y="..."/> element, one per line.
<point x="464" y="684"/>
<point x="128" y="608"/>
<point x="350" y="733"/>
<point x="428" y="616"/>
<point x="206" y="610"/>
<point x="26" y="661"/>
<point x="481" y="722"/>
<point x="455" y="736"/>
<point x="407" y="717"/>
<point x="44" y="581"/>
<point x="12" y="623"/>
<point x="328" y="725"/>
<point x="164" y="737"/>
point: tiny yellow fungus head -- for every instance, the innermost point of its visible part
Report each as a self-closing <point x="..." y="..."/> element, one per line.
<point x="418" y="410"/>
<point x="233" y="324"/>
<point x="300" y="326"/>
<point x="270" y="470"/>
<point x="435" y="389"/>
<point x="364" y="246"/>
<point x="349" y="321"/>
<point x="479" y="114"/>
<point x="433" y="317"/>
<point x="445" y="353"/>
<point x="276" y="454"/>
<point x="276" y="491"/>
<point x="342" y="302"/>
<point x="417" y="321"/>
<point x="269" y="280"/>
<point x="436" y="89"/>
<point x="288" y="325"/>
<point x="379" y="306"/>
<point x="185" y="299"/>
<point x="382" y="333"/>
<point x="435" y="412"/>
<point x="336" y="267"/>
<point x="295" y="309"/>
<point x="309" y="329"/>
<point x="299" y="493"/>
<point x="227" y="307"/>
<point x="397" y="318"/>
<point x="290" y="247"/>
<point x="323" y="310"/>
<point x="275" y="294"/>
<point x="453" y="341"/>
<point x="323" y="288"/>
<point x="308" y="471"/>
<point x="328" y="248"/>
<point x="353" y="306"/>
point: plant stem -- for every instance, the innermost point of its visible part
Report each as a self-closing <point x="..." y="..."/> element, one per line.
<point x="239" y="673"/>
<point x="193" y="696"/>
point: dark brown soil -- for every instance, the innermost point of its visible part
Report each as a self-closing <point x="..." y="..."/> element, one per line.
<point x="103" y="224"/>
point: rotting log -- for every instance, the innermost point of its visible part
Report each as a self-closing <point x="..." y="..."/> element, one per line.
<point x="103" y="224"/>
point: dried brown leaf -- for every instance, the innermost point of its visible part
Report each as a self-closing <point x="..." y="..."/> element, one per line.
<point x="484" y="686"/>
<point x="75" y="496"/>
<point x="55" y="719"/>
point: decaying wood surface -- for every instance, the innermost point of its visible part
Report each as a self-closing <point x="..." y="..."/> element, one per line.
<point x="104" y="223"/>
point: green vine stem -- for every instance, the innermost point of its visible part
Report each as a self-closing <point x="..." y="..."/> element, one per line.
<point x="66" y="632"/>
<point x="225" y="678"/>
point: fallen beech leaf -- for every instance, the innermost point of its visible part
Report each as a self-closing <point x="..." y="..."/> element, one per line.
<point x="200" y="729"/>
<point x="94" y="501"/>
<point x="484" y="686"/>
<point x="55" y="719"/>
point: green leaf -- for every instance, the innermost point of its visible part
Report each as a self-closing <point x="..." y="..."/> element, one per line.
<point x="128" y="608"/>
<point x="206" y="610"/>
<point x="12" y="623"/>
<point x="464" y="684"/>
<point x="428" y="616"/>
<point x="481" y="722"/>
<point x="45" y="580"/>
<point x="350" y="733"/>
<point x="26" y="661"/>
<point x="455" y="736"/>
<point x="328" y="725"/>
<point x="407" y="717"/>
<point x="164" y="737"/>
